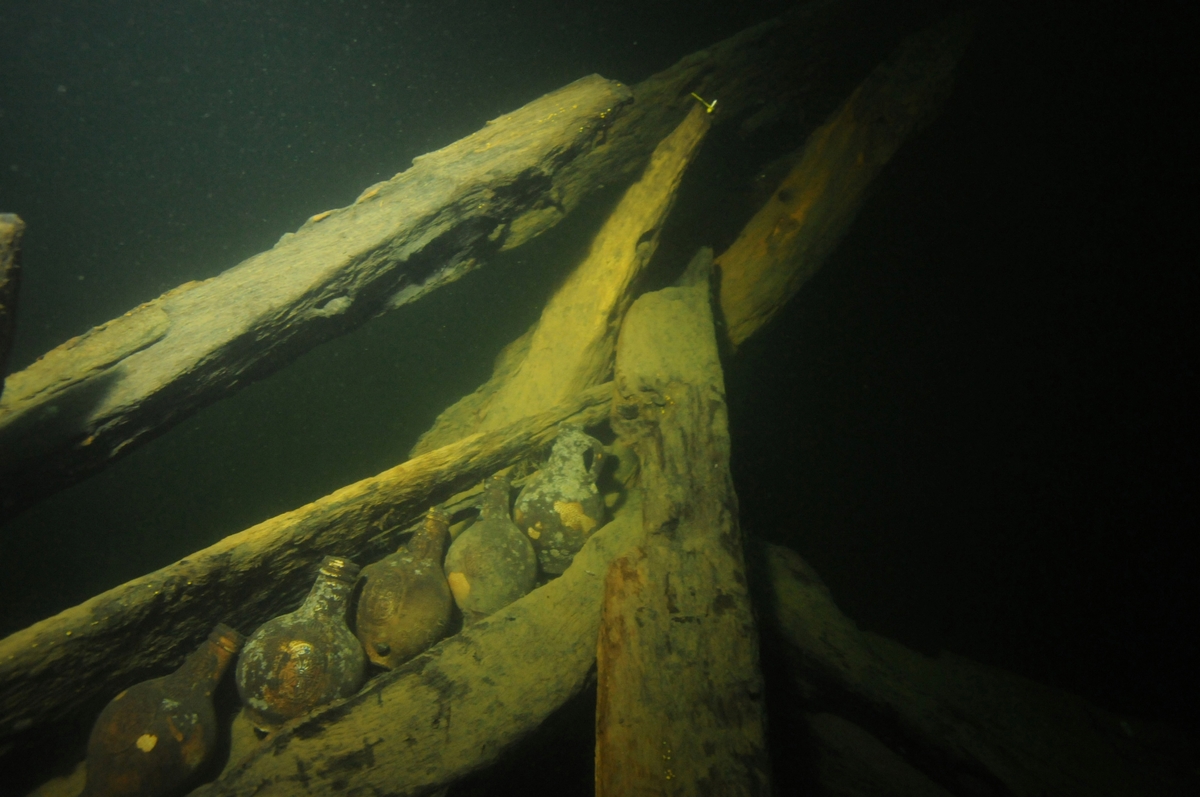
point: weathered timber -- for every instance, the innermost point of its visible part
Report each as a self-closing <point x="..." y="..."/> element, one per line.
<point x="846" y="760"/>
<point x="799" y="66"/>
<point x="761" y="74"/>
<point x="145" y="627"/>
<point x="571" y="346"/>
<point x="786" y="242"/>
<point x="12" y="228"/>
<point x="455" y="708"/>
<point x="98" y="396"/>
<point x="967" y="728"/>
<point x="679" y="691"/>
<point x="90" y="399"/>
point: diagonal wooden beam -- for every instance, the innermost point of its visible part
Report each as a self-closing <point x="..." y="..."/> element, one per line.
<point x="99" y="396"/>
<point x="96" y="396"/>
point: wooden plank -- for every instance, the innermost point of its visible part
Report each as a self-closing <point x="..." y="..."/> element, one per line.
<point x="455" y="708"/>
<point x="100" y="395"/>
<point x="791" y="236"/>
<point x="758" y="76"/>
<point x="571" y="346"/>
<point x="146" y="626"/>
<point x="679" y="692"/>
<point x="123" y="382"/>
<point x="970" y="728"/>
<point x="12" y="228"/>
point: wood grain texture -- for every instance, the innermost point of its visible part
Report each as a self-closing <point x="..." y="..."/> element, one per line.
<point x="679" y="692"/>
<point x="788" y="240"/>
<point x="144" y="627"/>
<point x="969" y="728"/>
<point x="124" y="382"/>
<point x="571" y="346"/>
<point x="89" y="400"/>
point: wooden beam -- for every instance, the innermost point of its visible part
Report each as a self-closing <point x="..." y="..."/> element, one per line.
<point x="99" y="396"/>
<point x="788" y="240"/>
<point x="970" y="729"/>
<point x="679" y="693"/>
<point x="92" y="398"/>
<point x="146" y="626"/>
<point x="571" y="346"/>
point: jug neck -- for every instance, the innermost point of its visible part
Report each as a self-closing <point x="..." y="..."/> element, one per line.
<point x="330" y="593"/>
<point x="495" y="498"/>
<point x="430" y="541"/>
<point x="208" y="663"/>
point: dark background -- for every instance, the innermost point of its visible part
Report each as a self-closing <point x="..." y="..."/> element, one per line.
<point x="976" y="422"/>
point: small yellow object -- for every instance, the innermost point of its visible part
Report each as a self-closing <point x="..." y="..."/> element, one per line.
<point x="708" y="106"/>
<point x="459" y="586"/>
<point x="320" y="216"/>
<point x="573" y="516"/>
<point x="146" y="742"/>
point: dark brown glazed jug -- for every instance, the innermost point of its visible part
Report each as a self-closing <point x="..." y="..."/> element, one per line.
<point x="155" y="735"/>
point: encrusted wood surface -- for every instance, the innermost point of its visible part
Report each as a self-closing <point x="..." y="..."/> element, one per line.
<point x="143" y="628"/>
<point x="790" y="237"/>
<point x="679" y="692"/>
<point x="571" y="346"/>
<point x="125" y="381"/>
<point x="969" y="728"/>
<point x="453" y="709"/>
<point x="11" y="230"/>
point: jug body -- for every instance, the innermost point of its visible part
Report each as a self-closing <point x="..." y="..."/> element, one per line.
<point x="299" y="661"/>
<point x="153" y="737"/>
<point x="492" y="563"/>
<point x="561" y="507"/>
<point x="405" y="604"/>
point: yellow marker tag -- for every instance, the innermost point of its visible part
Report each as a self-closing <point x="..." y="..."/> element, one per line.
<point x="708" y="106"/>
<point x="146" y="742"/>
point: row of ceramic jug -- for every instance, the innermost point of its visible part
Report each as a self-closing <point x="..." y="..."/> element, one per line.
<point x="155" y="735"/>
<point x="405" y="602"/>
